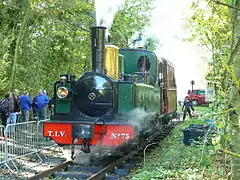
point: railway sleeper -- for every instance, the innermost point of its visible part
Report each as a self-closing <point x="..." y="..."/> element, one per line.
<point x="71" y="175"/>
<point x="117" y="174"/>
<point x="85" y="169"/>
<point x="86" y="172"/>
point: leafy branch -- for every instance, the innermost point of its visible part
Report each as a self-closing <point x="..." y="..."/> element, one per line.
<point x="229" y="153"/>
<point x="227" y="5"/>
<point x="234" y="51"/>
<point x="17" y="46"/>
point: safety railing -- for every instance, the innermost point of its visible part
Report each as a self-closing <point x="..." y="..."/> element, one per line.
<point x="2" y="145"/>
<point x="22" y="139"/>
<point x="43" y="142"/>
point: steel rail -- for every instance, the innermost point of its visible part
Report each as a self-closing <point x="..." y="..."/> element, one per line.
<point x="50" y="171"/>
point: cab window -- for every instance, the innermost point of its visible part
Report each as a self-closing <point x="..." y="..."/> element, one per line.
<point x="143" y="63"/>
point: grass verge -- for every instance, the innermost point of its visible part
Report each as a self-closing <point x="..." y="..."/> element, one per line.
<point x="174" y="160"/>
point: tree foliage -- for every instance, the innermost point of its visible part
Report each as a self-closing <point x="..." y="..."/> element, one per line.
<point x="44" y="39"/>
<point x="151" y="43"/>
<point x="133" y="17"/>
<point x="217" y="29"/>
<point x="211" y="26"/>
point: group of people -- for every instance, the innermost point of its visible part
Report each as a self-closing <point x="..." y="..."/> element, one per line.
<point x="15" y="108"/>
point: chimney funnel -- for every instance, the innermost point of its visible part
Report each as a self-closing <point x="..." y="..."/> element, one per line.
<point x="98" y="45"/>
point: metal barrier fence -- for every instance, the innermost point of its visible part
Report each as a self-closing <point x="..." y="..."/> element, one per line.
<point x="22" y="139"/>
<point x="43" y="142"/>
<point x="2" y="145"/>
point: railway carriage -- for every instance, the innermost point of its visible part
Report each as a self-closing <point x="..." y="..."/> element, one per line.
<point x="129" y="93"/>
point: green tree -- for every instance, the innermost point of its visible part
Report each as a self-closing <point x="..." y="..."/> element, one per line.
<point x="151" y="43"/>
<point x="45" y="40"/>
<point x="235" y="87"/>
<point x="217" y="29"/>
<point x="132" y="18"/>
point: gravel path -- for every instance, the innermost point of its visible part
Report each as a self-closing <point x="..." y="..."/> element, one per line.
<point x="31" y="165"/>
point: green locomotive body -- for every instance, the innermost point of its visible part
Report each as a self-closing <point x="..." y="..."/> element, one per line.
<point x="130" y="92"/>
<point x="152" y="87"/>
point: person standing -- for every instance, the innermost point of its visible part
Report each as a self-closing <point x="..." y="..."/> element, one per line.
<point x="14" y="101"/>
<point x="40" y="101"/>
<point x="187" y="107"/>
<point x="25" y="106"/>
<point x="5" y="110"/>
<point x="34" y="109"/>
<point x="46" y="107"/>
<point x="51" y="106"/>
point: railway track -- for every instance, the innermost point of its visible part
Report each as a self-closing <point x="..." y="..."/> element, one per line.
<point x="115" y="168"/>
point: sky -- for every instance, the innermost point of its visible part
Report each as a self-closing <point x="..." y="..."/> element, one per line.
<point x="167" y="25"/>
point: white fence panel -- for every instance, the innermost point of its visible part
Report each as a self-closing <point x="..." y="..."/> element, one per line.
<point x="21" y="139"/>
<point x="2" y="145"/>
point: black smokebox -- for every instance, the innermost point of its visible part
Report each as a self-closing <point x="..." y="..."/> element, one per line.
<point x="98" y="38"/>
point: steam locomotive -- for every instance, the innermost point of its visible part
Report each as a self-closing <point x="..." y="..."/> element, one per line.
<point x="129" y="93"/>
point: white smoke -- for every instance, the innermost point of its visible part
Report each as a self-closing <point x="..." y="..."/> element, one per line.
<point x="136" y="116"/>
<point x="96" y="153"/>
<point x="140" y="118"/>
<point x="105" y="12"/>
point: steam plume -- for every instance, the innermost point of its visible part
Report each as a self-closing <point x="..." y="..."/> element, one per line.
<point x="105" y="12"/>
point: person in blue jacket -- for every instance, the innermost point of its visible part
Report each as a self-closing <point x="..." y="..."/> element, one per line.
<point x="25" y="106"/>
<point x="40" y="102"/>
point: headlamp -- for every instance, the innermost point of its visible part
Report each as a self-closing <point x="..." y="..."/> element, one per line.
<point x="62" y="92"/>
